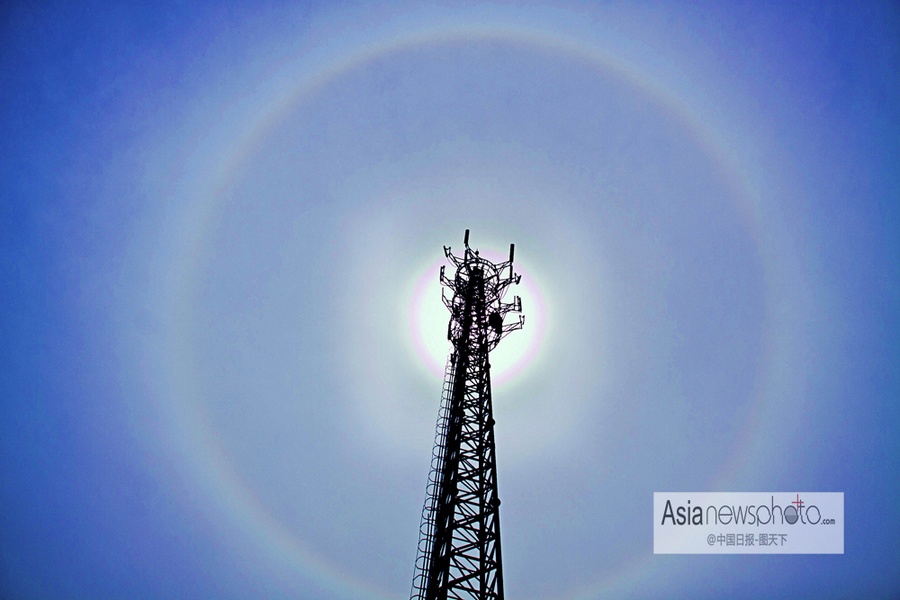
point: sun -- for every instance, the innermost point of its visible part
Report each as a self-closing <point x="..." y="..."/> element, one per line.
<point x="427" y="320"/>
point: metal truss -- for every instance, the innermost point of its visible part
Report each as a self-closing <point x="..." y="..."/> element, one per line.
<point x="459" y="549"/>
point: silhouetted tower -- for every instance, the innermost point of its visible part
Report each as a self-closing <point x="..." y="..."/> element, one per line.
<point x="459" y="548"/>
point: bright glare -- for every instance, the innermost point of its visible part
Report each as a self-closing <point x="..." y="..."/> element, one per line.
<point x="429" y="319"/>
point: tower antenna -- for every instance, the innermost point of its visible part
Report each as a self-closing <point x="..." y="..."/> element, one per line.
<point x="459" y="545"/>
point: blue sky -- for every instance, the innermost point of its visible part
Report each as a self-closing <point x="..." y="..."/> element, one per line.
<point x="220" y="231"/>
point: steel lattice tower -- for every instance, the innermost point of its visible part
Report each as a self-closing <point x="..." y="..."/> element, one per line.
<point x="459" y="548"/>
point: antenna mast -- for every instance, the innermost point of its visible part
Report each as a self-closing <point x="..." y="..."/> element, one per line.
<point x="459" y="548"/>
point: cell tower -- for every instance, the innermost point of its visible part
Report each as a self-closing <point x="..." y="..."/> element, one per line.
<point x="459" y="548"/>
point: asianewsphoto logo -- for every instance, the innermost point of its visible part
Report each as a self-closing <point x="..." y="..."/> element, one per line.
<point x="749" y="523"/>
<point x="748" y="514"/>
